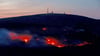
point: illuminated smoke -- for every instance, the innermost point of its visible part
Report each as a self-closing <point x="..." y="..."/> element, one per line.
<point x="4" y="37"/>
<point x="9" y="38"/>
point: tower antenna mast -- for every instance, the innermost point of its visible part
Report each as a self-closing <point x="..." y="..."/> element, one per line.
<point x="47" y="10"/>
<point x="52" y="12"/>
<point x="64" y="12"/>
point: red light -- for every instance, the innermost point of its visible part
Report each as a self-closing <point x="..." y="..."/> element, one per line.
<point x="83" y="44"/>
<point x="59" y="46"/>
<point x="26" y="40"/>
<point x="44" y="29"/>
<point x="51" y="41"/>
<point x="13" y="35"/>
<point x="48" y="40"/>
<point x="54" y="42"/>
<point x="23" y="37"/>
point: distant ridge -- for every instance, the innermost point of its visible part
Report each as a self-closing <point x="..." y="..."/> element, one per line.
<point x="52" y="20"/>
<point x="46" y="19"/>
<point x="46" y="14"/>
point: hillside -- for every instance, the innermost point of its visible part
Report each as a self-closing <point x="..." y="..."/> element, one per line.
<point x="56" y="25"/>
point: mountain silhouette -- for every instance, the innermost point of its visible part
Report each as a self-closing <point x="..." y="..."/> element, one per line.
<point x="50" y="20"/>
<point x="47" y="19"/>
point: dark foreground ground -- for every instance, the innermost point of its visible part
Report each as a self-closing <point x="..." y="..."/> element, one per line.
<point x="52" y="51"/>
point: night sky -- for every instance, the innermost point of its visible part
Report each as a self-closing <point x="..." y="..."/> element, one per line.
<point x="12" y="8"/>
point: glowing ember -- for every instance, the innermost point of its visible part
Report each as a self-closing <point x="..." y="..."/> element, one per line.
<point x="60" y="46"/>
<point x="48" y="40"/>
<point x="26" y="40"/>
<point x="24" y="37"/>
<point x="44" y="29"/>
<point x="54" y="42"/>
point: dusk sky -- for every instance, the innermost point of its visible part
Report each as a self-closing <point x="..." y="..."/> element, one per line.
<point x="12" y="8"/>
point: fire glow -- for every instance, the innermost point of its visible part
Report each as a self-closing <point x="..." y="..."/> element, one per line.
<point x="83" y="44"/>
<point x="54" y="42"/>
<point x="26" y="38"/>
<point x="23" y="37"/>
